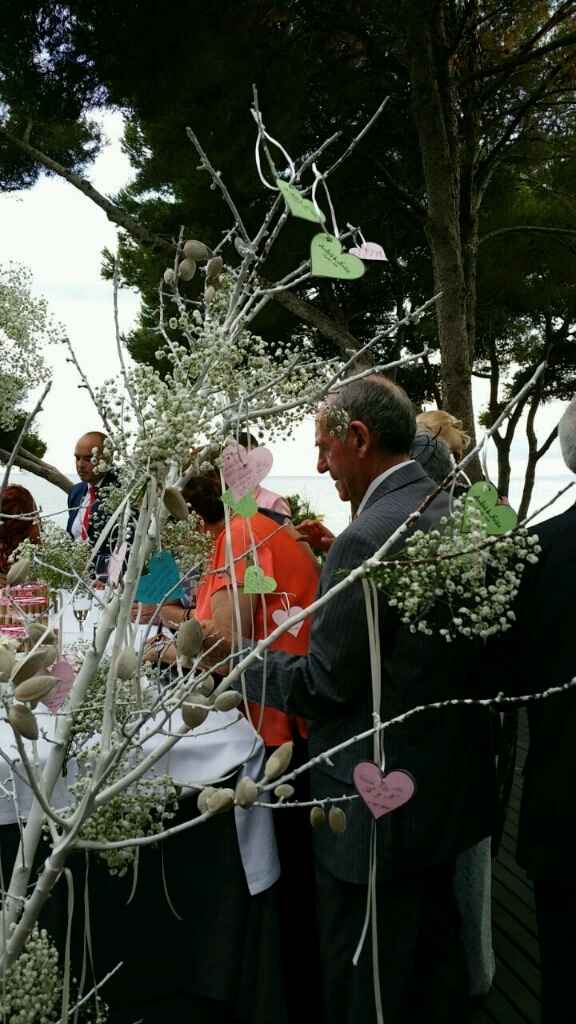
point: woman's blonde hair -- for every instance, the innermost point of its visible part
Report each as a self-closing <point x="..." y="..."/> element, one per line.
<point x="443" y="424"/>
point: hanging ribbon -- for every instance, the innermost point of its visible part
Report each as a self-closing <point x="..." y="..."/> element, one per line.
<point x="371" y="917"/>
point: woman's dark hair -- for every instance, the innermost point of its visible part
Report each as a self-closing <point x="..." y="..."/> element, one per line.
<point x="203" y="494"/>
<point x="433" y="454"/>
<point x="248" y="440"/>
<point x="15" y="501"/>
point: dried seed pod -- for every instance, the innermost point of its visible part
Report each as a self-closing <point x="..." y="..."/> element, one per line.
<point x="189" y="638"/>
<point x="194" y="714"/>
<point x="228" y="700"/>
<point x="278" y="762"/>
<point x="246" y="793"/>
<point x="41" y="658"/>
<point x="195" y="250"/>
<point x="7" y="659"/>
<point x="203" y="798"/>
<point x="187" y="269"/>
<point x="337" y="819"/>
<point x="206" y="686"/>
<point x="220" y="800"/>
<point x="126" y="664"/>
<point x="36" y="632"/>
<point x="214" y="268"/>
<point x="19" y="572"/>
<point x="284" y="791"/>
<point x="209" y="293"/>
<point x="35" y="688"/>
<point x="23" y="721"/>
<point x="169" y="277"/>
<point x="317" y="817"/>
<point x="241" y="247"/>
<point x="174" y="501"/>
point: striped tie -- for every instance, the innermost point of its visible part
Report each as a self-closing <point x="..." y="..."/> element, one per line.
<point x="88" y="512"/>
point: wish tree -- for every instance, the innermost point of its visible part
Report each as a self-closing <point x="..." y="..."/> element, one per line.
<point x="215" y="380"/>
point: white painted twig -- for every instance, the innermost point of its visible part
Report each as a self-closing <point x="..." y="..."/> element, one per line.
<point x="25" y="427"/>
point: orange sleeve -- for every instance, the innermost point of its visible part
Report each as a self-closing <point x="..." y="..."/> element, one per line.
<point x="241" y="546"/>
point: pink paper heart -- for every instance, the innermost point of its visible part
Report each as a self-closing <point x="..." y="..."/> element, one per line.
<point x="382" y="793"/>
<point x="280" y="616"/>
<point x="243" y="469"/>
<point x="116" y="563"/>
<point x="64" y="672"/>
<point x="369" y="251"/>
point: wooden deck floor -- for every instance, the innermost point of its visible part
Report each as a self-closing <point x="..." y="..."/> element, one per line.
<point x="514" y="998"/>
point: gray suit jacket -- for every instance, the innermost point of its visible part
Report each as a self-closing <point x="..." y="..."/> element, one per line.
<point x="448" y="752"/>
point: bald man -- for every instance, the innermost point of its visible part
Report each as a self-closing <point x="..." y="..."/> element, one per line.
<point x="85" y="519"/>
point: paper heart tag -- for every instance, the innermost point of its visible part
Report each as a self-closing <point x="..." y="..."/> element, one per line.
<point x="255" y="582"/>
<point x="328" y="259"/>
<point x="243" y="470"/>
<point x="382" y="793"/>
<point x="161" y="580"/>
<point x="116" y="563"/>
<point x="298" y="205"/>
<point x="369" y="251"/>
<point x="63" y="671"/>
<point x="497" y="518"/>
<point x="245" y="507"/>
<point x="280" y="616"/>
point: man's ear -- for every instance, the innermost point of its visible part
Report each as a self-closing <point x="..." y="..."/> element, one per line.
<point x="360" y="437"/>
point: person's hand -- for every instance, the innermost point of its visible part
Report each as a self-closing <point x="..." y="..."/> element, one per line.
<point x="159" y="651"/>
<point x="216" y="648"/>
<point x="171" y="615"/>
<point x="153" y="649"/>
<point x="318" y="536"/>
<point x="147" y="615"/>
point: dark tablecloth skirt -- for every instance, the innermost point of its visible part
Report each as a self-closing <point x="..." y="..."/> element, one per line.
<point x="222" y="962"/>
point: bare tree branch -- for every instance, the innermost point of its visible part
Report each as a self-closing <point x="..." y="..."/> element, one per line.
<point x="29" y="462"/>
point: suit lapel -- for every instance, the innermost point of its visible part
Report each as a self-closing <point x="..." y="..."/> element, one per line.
<point x="406" y="476"/>
<point x="77" y="497"/>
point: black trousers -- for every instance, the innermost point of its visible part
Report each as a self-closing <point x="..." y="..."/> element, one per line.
<point x="421" y="961"/>
<point x="556" y="915"/>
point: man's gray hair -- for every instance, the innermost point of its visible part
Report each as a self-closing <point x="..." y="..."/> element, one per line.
<point x="383" y="407"/>
<point x="567" y="436"/>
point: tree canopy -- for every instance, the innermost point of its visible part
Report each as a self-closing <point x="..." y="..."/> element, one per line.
<point x="480" y="99"/>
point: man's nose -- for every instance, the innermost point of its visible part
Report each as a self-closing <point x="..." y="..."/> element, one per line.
<point x="322" y="465"/>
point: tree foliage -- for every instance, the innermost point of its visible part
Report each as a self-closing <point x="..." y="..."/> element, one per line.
<point x="480" y="100"/>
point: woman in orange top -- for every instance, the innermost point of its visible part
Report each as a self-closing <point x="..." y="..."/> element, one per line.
<point x="279" y="553"/>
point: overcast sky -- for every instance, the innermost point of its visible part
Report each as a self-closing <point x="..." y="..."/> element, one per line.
<point x="60" y="234"/>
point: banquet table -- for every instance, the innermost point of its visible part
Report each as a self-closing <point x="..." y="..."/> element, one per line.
<point x="196" y="924"/>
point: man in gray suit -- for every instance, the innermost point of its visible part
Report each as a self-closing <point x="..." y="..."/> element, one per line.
<point x="363" y="436"/>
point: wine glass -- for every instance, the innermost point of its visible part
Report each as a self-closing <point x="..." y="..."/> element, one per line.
<point x="81" y="606"/>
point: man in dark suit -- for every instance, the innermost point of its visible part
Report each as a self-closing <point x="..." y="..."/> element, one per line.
<point x="86" y="516"/>
<point x="363" y="438"/>
<point x="538" y="653"/>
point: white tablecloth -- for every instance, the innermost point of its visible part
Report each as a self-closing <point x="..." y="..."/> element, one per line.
<point x="223" y="743"/>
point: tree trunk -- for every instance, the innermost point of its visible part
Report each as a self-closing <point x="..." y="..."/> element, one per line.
<point x="436" y="121"/>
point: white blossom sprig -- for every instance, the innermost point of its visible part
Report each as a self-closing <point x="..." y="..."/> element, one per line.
<point x="454" y="579"/>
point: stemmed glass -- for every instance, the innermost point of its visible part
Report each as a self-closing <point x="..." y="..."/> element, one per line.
<point x="81" y="606"/>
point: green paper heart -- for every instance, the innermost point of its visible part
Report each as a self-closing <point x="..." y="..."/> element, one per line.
<point x="245" y="506"/>
<point x="328" y="259"/>
<point x="255" y="582"/>
<point x="298" y="205"/>
<point x="497" y="518"/>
